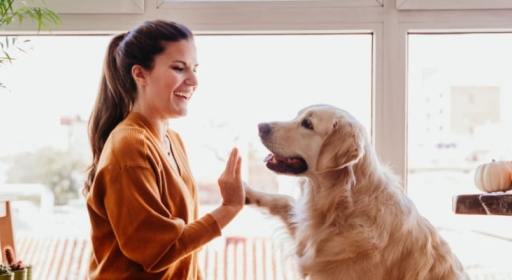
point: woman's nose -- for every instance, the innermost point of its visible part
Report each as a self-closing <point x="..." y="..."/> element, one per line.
<point x="191" y="80"/>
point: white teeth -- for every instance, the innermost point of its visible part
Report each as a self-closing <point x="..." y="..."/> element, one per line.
<point x="181" y="94"/>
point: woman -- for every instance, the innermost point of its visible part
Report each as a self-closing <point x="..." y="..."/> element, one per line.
<point x="141" y="195"/>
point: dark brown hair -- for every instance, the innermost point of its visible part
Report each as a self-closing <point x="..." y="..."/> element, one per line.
<point x="117" y="89"/>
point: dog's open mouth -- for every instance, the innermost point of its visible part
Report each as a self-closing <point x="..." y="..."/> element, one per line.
<point x="293" y="165"/>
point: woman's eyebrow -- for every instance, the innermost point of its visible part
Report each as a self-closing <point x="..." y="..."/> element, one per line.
<point x="184" y="63"/>
<point x="180" y="61"/>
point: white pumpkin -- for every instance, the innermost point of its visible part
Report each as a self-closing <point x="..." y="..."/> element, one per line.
<point x="494" y="176"/>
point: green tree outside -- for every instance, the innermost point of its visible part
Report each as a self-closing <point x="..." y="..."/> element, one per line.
<point x="62" y="171"/>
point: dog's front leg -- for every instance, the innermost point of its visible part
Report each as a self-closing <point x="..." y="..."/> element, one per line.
<point x="278" y="205"/>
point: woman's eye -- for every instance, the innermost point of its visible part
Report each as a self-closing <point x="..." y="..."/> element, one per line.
<point x="177" y="68"/>
<point x="307" y="124"/>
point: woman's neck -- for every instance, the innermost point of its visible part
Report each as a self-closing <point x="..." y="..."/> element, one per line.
<point x="159" y="125"/>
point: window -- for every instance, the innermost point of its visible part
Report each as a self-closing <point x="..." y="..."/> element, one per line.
<point x="244" y="80"/>
<point x="472" y="71"/>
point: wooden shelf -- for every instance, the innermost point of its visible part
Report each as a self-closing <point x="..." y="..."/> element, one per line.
<point x="483" y="204"/>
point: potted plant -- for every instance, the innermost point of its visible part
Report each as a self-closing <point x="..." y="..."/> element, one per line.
<point x="5" y="272"/>
<point x="16" y="11"/>
<point x="18" y="269"/>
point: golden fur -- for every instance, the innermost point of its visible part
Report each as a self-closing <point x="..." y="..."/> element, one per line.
<point x="352" y="219"/>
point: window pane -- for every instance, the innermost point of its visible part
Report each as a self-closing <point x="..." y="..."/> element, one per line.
<point x="459" y="90"/>
<point x="243" y="80"/>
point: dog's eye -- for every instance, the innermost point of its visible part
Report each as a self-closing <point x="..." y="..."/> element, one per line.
<point x="307" y="124"/>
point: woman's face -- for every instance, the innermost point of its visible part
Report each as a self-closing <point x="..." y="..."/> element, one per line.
<point x="166" y="89"/>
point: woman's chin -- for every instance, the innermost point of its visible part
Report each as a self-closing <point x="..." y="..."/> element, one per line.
<point x="179" y="112"/>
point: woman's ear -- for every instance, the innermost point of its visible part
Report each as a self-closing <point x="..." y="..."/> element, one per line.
<point x="139" y="75"/>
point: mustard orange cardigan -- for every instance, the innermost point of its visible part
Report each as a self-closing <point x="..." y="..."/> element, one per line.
<point x="143" y="213"/>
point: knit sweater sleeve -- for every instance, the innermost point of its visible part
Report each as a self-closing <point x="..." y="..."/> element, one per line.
<point x="141" y="213"/>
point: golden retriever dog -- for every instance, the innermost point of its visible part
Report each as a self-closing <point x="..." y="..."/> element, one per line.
<point x="352" y="220"/>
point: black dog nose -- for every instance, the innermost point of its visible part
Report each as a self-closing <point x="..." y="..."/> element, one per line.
<point x="264" y="129"/>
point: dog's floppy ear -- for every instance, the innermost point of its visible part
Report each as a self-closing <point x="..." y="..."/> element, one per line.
<point x="343" y="146"/>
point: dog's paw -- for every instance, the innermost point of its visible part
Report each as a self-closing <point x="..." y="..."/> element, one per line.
<point x="279" y="205"/>
<point x="250" y="195"/>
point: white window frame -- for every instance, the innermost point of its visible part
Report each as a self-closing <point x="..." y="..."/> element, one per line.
<point x="268" y="4"/>
<point x="96" y="6"/>
<point x="389" y="21"/>
<point x="452" y="4"/>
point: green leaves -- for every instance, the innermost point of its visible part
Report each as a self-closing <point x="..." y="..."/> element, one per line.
<point x="10" y="43"/>
<point x="11" y="12"/>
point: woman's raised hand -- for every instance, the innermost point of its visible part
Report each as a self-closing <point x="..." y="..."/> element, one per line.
<point x="231" y="189"/>
<point x="230" y="181"/>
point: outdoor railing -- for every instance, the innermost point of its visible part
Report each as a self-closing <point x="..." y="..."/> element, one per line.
<point x="232" y="258"/>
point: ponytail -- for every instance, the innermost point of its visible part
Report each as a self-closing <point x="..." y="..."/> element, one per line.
<point x="112" y="105"/>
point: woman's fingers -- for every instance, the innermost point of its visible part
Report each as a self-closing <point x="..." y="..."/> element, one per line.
<point x="233" y="164"/>
<point x="238" y="164"/>
<point x="231" y="189"/>
<point x="230" y="181"/>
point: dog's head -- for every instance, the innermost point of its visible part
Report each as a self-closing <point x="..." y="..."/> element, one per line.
<point x="320" y="138"/>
